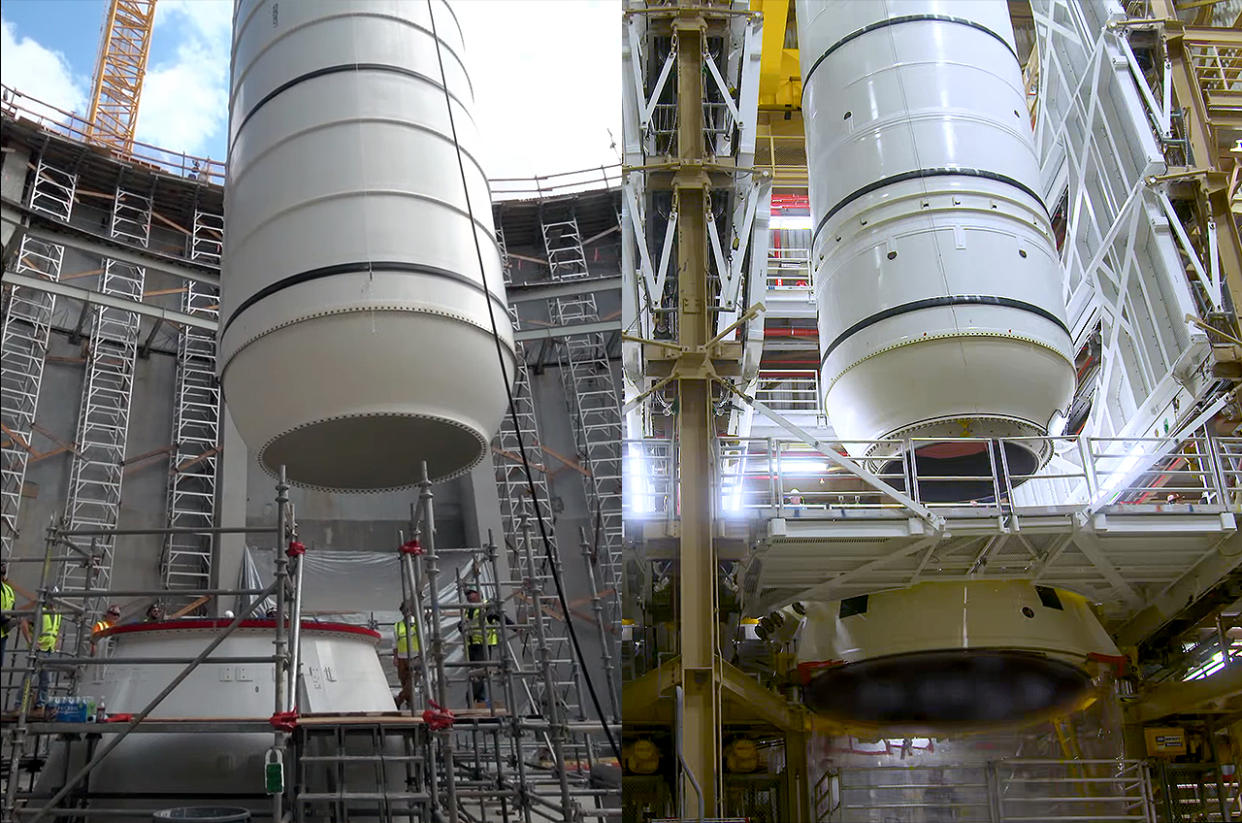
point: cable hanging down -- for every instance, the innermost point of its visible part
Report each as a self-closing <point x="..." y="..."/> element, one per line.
<point x="530" y="480"/>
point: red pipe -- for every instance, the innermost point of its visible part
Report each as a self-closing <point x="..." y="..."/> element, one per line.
<point x="767" y="332"/>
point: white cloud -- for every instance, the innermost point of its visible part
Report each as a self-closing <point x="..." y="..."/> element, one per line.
<point x="184" y="104"/>
<point x="546" y="75"/>
<point x="212" y="19"/>
<point x="547" y="81"/>
<point x="41" y="73"/>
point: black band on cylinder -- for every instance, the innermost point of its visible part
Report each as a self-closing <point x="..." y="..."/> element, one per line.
<point x="918" y="174"/>
<point x="908" y="18"/>
<point x="936" y="302"/>
<point x="357" y="268"/>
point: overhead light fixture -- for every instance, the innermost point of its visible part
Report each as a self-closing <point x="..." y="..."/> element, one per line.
<point x="791" y="222"/>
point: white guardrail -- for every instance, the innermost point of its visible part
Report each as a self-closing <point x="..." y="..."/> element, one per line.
<point x="767" y="477"/>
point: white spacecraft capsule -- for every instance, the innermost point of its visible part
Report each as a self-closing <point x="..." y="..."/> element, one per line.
<point x="952" y="655"/>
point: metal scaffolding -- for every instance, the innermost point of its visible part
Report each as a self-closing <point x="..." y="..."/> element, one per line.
<point x="192" y="486"/>
<point x="533" y="752"/>
<point x="519" y="508"/>
<point x="103" y="419"/>
<point x="24" y="342"/>
<point x="30" y="735"/>
<point x="538" y="673"/>
<point x="594" y="408"/>
<point x="431" y="762"/>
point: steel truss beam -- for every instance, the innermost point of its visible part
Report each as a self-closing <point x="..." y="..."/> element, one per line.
<point x="51" y="230"/>
<point x="98" y="299"/>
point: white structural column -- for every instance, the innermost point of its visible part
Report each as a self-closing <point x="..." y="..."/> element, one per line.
<point x="24" y="341"/>
<point x="381" y="263"/>
<point x="1129" y="263"/>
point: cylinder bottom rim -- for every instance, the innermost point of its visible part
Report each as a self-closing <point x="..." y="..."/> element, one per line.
<point x="949" y="688"/>
<point x="377" y="452"/>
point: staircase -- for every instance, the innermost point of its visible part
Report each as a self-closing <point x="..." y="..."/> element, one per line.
<point x="186" y="562"/>
<point x="546" y="679"/>
<point x="103" y="419"/>
<point x="24" y="342"/>
<point x="591" y="396"/>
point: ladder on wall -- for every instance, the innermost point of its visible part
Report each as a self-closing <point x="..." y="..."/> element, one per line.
<point x="517" y="508"/>
<point x="103" y="417"/>
<point x="24" y="341"/>
<point x="590" y="393"/>
<point x="192" y="480"/>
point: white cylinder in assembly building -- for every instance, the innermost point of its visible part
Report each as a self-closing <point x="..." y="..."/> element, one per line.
<point x="952" y="654"/>
<point x="356" y="335"/>
<point x="341" y="670"/>
<point x="937" y="275"/>
<point x="211" y="759"/>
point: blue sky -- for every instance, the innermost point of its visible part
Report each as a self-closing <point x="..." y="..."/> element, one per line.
<point x="542" y="109"/>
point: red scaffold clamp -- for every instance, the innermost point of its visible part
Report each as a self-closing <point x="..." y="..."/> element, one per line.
<point x="808" y="670"/>
<point x="284" y="721"/>
<point x="1117" y="662"/>
<point x="296" y="549"/>
<point x="412" y="547"/>
<point x="437" y="717"/>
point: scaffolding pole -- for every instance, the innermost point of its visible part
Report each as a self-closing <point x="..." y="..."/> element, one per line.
<point x="57" y="535"/>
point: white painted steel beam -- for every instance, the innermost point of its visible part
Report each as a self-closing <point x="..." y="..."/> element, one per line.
<point x="529" y="292"/>
<point x="77" y="238"/>
<point x="95" y="298"/>
<point x="568" y="330"/>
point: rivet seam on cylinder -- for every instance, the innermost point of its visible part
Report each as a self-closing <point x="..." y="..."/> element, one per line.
<point x="942" y="302"/>
<point x="510" y="347"/>
<point x="894" y="21"/>
<point x="965" y="333"/>
<point x="436" y="418"/>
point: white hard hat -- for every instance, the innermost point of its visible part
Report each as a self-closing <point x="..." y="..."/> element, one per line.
<point x="228" y="614"/>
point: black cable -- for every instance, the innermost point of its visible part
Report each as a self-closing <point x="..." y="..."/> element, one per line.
<point x="504" y="379"/>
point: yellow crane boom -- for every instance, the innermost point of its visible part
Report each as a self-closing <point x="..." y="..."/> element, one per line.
<point x="123" y="51"/>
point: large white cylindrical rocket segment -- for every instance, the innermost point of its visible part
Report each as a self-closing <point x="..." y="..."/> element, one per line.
<point x="355" y="333"/>
<point x="937" y="275"/>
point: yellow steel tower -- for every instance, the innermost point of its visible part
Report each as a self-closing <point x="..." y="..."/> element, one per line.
<point x="123" y="50"/>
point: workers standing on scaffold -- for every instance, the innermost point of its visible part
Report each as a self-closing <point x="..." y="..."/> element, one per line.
<point x="406" y="653"/>
<point x="482" y="630"/>
<point x="48" y="641"/>
<point x="7" y="602"/>
<point x="110" y="619"/>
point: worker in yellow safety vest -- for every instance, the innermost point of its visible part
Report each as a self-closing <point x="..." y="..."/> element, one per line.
<point x="406" y="653"/>
<point x="110" y="619"/>
<point x="7" y="601"/>
<point x="48" y="640"/>
<point x="482" y="635"/>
